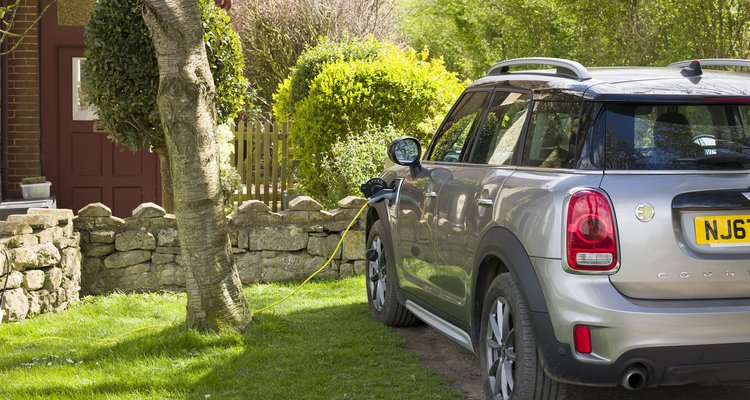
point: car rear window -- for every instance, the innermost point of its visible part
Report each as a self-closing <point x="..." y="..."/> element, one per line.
<point x="677" y="137"/>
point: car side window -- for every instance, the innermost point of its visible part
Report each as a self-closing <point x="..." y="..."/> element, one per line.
<point x="498" y="135"/>
<point x="551" y="139"/>
<point x="452" y="138"/>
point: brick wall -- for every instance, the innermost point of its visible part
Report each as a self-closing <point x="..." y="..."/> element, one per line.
<point x="23" y="101"/>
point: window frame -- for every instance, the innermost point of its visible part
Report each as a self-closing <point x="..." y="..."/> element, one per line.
<point x="581" y="134"/>
<point x="664" y="101"/>
<point x="440" y="131"/>
<point x="521" y="137"/>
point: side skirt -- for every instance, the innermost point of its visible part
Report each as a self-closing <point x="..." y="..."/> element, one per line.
<point x="444" y="327"/>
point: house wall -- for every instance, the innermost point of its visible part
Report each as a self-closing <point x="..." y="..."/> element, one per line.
<point x="23" y="113"/>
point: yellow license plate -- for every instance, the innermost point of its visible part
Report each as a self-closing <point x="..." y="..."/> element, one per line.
<point x="728" y="229"/>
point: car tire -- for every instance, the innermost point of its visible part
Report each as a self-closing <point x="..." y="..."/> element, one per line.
<point x="511" y="368"/>
<point x="382" y="282"/>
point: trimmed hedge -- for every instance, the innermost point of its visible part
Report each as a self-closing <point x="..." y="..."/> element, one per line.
<point x="310" y="63"/>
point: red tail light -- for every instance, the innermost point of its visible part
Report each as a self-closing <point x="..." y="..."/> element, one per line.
<point x="591" y="240"/>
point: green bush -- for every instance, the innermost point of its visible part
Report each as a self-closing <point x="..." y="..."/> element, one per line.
<point x="355" y="160"/>
<point x="310" y="63"/>
<point x="226" y="60"/>
<point x="401" y="89"/>
<point x="122" y="75"/>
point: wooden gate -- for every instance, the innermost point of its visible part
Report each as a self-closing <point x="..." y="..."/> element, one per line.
<point x="263" y="158"/>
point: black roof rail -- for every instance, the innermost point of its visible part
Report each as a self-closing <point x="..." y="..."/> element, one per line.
<point x="567" y="68"/>
<point x="713" y="62"/>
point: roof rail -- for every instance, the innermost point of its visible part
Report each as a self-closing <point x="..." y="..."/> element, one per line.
<point x="713" y="62"/>
<point x="565" y="67"/>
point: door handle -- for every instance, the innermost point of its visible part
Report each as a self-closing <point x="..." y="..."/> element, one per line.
<point x="484" y="202"/>
<point x="430" y="194"/>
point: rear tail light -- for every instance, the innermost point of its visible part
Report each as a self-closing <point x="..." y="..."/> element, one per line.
<point x="590" y="234"/>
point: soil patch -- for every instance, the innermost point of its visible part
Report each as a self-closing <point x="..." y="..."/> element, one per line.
<point x="444" y="357"/>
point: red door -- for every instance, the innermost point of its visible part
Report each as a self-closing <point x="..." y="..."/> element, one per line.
<point x="82" y="164"/>
<point x="91" y="168"/>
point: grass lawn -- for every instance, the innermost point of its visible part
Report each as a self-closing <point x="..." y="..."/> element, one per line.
<point x="321" y="344"/>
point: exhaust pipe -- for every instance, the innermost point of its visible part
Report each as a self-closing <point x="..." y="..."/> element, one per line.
<point x="634" y="377"/>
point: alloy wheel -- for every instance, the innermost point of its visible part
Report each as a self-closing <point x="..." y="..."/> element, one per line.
<point x="377" y="275"/>
<point x="501" y="350"/>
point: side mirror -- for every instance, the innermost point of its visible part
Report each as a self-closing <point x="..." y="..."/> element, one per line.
<point x="405" y="151"/>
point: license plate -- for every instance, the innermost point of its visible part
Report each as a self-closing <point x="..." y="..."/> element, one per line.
<point x="723" y="230"/>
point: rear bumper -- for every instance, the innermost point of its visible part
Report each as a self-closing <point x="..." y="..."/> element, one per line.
<point x="677" y="341"/>
<point x="665" y="366"/>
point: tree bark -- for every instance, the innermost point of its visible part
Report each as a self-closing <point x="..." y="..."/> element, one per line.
<point x="167" y="195"/>
<point x="187" y="104"/>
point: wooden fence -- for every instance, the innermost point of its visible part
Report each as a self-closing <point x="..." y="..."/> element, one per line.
<point x="263" y="158"/>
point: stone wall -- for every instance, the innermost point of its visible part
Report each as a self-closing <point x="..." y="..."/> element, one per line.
<point x="141" y="252"/>
<point x="45" y="270"/>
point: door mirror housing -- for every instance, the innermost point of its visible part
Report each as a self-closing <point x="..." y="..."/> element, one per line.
<point x="405" y="151"/>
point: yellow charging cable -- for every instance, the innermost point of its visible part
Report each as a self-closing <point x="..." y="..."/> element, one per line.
<point x="333" y="255"/>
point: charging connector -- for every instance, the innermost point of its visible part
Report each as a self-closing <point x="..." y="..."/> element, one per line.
<point x="376" y="190"/>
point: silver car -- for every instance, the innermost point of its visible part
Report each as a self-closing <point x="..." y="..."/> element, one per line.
<point x="576" y="226"/>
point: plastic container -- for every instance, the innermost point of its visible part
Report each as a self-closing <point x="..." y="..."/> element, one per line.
<point x="35" y="190"/>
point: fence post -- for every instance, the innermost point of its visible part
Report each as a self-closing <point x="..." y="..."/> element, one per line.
<point x="264" y="149"/>
<point x="257" y="144"/>
<point x="274" y="166"/>
<point x="284" y="157"/>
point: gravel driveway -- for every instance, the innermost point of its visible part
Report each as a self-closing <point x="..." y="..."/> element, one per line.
<point x="460" y="368"/>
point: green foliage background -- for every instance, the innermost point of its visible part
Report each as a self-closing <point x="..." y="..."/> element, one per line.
<point x="361" y="88"/>
<point x="355" y="160"/>
<point x="122" y="75"/>
<point x="310" y="63"/>
<point x="471" y="35"/>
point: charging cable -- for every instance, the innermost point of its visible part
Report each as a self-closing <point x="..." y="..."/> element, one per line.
<point x="327" y="263"/>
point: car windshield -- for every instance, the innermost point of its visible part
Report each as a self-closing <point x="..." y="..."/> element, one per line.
<point x="677" y="136"/>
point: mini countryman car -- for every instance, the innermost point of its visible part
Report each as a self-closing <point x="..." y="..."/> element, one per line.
<point x="576" y="226"/>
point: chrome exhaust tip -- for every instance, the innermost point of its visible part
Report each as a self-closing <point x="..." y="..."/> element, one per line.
<point x="634" y="377"/>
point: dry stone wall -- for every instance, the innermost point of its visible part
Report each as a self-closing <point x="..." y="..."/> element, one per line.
<point x="45" y="263"/>
<point x="142" y="252"/>
<point x="137" y="253"/>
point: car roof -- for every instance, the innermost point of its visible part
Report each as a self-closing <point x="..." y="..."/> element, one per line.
<point x="626" y="83"/>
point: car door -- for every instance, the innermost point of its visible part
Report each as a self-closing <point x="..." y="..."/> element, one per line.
<point x="416" y="209"/>
<point x="465" y="203"/>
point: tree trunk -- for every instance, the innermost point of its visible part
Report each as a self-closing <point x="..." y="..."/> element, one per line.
<point x="167" y="195"/>
<point x="187" y="104"/>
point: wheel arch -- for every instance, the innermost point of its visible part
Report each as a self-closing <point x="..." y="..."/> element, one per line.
<point x="498" y="252"/>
